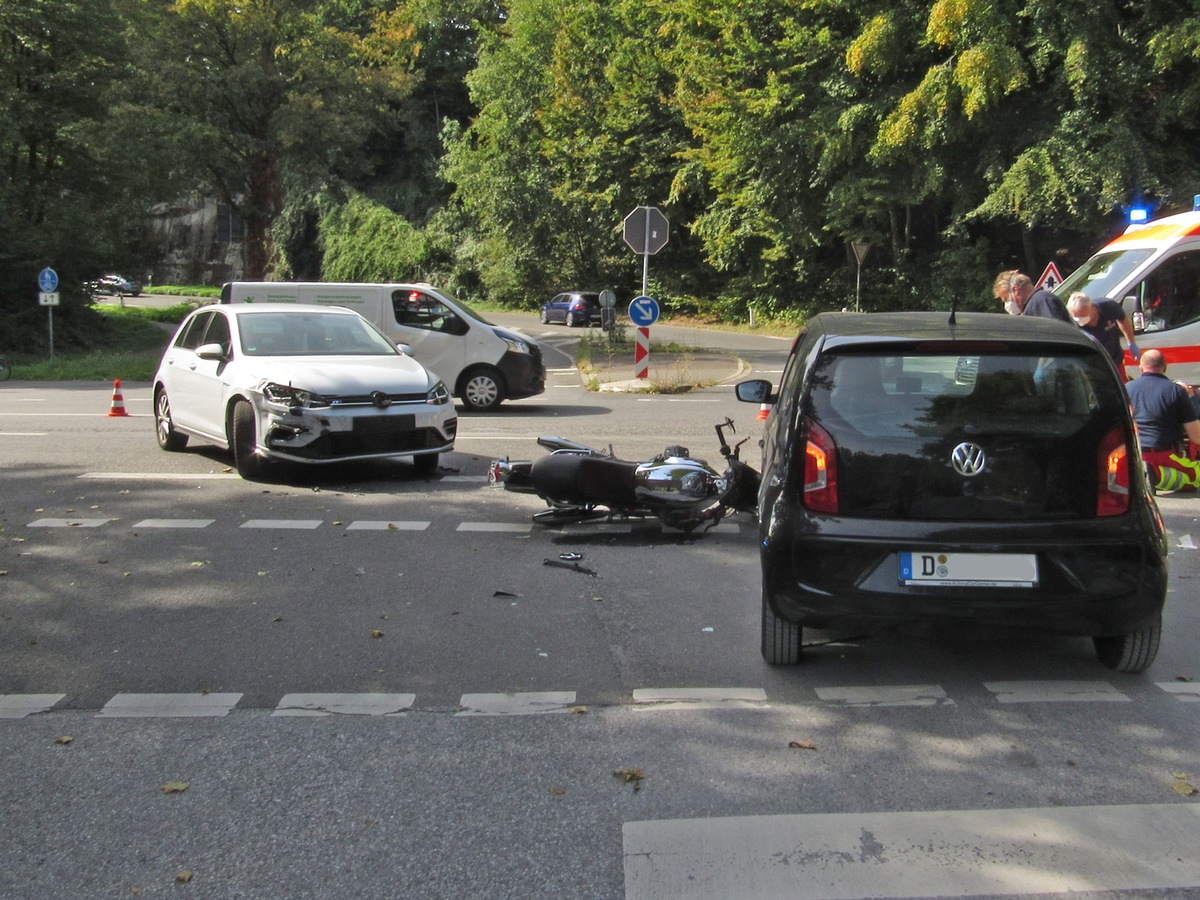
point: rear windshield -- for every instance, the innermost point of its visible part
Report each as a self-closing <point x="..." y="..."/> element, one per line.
<point x="896" y="419"/>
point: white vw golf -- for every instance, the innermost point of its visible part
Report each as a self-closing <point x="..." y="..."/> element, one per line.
<point x="310" y="384"/>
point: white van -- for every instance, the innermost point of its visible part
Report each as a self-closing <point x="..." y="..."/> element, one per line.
<point x="1153" y="270"/>
<point x="480" y="363"/>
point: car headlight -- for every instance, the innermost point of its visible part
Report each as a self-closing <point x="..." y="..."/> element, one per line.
<point x="287" y="395"/>
<point x="438" y="394"/>
<point x="516" y="346"/>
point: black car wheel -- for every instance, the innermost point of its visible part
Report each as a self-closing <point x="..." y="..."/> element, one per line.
<point x="164" y="428"/>
<point x="544" y="317"/>
<point x="1133" y="652"/>
<point x="570" y="320"/>
<point x="780" y="639"/>
<point x="481" y="390"/>
<point x="243" y="432"/>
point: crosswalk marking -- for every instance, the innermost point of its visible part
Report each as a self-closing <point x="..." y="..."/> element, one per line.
<point x="175" y="706"/>
<point x="387" y="525"/>
<point x="293" y="524"/>
<point x="68" y="523"/>
<point x="950" y="853"/>
<point x="498" y="527"/>
<point x="1054" y="691"/>
<point x="886" y="695"/>
<point x="699" y="698"/>
<point x="174" y="523"/>
<point x="344" y="704"/>
<point x="18" y="706"/>
<point x="522" y="704"/>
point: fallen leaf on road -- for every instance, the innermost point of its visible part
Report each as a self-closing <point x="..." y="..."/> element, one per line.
<point x="376" y="633"/>
<point x="65" y="739"/>
<point x="183" y="877"/>
<point x="802" y="745"/>
<point x="174" y="787"/>
<point x="557" y="791"/>
<point x="630" y="776"/>
<point x="577" y="710"/>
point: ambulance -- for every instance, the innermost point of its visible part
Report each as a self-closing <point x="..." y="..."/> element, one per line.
<point x="481" y="363"/>
<point x="1153" y="271"/>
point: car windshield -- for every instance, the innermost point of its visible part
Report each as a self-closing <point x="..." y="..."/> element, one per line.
<point x="293" y="333"/>
<point x="897" y="418"/>
<point x="1100" y="276"/>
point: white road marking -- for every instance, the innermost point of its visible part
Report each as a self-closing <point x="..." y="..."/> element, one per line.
<point x="67" y="415"/>
<point x="1186" y="543"/>
<point x="18" y="706"/>
<point x="174" y="523"/>
<point x="175" y="706"/>
<point x="387" y="526"/>
<point x="23" y="433"/>
<point x="952" y="853"/>
<point x="157" y="476"/>
<point x="1185" y="691"/>
<point x="494" y="526"/>
<point x="699" y="698"/>
<point x="886" y="695"/>
<point x="667" y="399"/>
<point x="293" y="524"/>
<point x="344" y="704"/>
<point x="526" y="704"/>
<point x="1054" y="691"/>
<point x="68" y="523"/>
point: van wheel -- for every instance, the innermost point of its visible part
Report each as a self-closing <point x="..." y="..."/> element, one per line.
<point x="780" y="639"/>
<point x="1133" y="652"/>
<point x="481" y="390"/>
<point x="242" y="432"/>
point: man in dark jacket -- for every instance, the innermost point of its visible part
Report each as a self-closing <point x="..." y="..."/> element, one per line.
<point x="1036" y="301"/>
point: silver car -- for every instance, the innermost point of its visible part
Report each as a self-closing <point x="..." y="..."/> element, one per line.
<point x="309" y="384"/>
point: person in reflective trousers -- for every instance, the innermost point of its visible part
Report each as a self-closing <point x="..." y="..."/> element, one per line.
<point x="1164" y="416"/>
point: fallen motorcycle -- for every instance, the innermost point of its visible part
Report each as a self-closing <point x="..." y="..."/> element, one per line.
<point x="580" y="483"/>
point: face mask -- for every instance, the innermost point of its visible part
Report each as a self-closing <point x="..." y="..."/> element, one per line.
<point x="1010" y="307"/>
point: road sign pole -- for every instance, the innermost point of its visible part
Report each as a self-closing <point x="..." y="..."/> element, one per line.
<point x="50" y="321"/>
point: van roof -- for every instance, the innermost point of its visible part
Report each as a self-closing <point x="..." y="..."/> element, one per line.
<point x="1168" y="228"/>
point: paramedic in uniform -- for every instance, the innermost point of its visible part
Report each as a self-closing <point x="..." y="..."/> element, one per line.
<point x="1106" y="322"/>
<point x="1164" y="415"/>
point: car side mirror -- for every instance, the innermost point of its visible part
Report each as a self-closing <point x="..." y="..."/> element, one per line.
<point x="756" y="390"/>
<point x="210" y="351"/>
<point x="404" y="348"/>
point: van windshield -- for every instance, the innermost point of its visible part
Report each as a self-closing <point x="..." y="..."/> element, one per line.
<point x="1101" y="275"/>
<point x="467" y="311"/>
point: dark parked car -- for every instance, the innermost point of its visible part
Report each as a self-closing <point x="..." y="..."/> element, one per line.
<point x="981" y="471"/>
<point x="572" y="308"/>
<point x="115" y="284"/>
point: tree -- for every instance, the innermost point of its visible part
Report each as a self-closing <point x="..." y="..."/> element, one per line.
<point x="277" y="96"/>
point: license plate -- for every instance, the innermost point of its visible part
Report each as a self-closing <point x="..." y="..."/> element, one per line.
<point x="969" y="569"/>
<point x="384" y="424"/>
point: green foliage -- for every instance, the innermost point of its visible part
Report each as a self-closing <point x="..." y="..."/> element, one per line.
<point x="363" y="241"/>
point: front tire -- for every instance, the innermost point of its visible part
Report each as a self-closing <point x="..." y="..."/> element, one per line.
<point x="1130" y="653"/>
<point x="164" y="429"/>
<point x="243" y="437"/>
<point x="781" y="645"/>
<point x="482" y="390"/>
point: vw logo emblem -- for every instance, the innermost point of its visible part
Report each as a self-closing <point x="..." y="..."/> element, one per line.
<point x="380" y="399"/>
<point x="968" y="459"/>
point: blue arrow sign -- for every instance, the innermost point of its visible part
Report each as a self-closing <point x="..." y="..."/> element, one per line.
<point x="643" y="311"/>
<point x="48" y="279"/>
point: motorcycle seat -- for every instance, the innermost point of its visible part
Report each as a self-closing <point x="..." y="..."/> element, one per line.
<point x="574" y="478"/>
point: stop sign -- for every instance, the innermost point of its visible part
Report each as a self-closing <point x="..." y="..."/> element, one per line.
<point x="646" y="230"/>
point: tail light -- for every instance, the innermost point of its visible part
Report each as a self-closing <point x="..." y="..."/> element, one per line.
<point x="1112" y="488"/>
<point x="820" y="469"/>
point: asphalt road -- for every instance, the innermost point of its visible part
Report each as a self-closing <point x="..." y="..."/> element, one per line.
<point x="361" y="682"/>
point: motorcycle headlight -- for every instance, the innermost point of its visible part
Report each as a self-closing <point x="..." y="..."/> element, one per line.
<point x="287" y="395"/>
<point x="438" y="394"/>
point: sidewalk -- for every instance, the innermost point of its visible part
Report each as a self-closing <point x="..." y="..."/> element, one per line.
<point x="667" y="372"/>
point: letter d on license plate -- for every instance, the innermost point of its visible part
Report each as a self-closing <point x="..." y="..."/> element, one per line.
<point x="969" y="569"/>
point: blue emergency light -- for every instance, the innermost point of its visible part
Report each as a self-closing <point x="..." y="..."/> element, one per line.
<point x="1138" y="214"/>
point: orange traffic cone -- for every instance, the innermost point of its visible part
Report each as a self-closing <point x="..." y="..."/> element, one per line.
<point x="118" y="402"/>
<point x="763" y="410"/>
